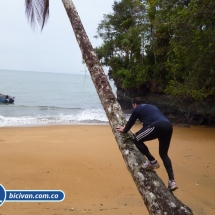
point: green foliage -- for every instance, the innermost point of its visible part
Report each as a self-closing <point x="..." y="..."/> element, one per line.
<point x="170" y="42"/>
<point x="131" y="78"/>
<point x="192" y="47"/>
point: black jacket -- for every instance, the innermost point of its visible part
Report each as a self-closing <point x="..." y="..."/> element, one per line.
<point x="147" y="114"/>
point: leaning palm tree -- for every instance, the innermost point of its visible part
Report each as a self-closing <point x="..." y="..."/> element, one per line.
<point x="156" y="196"/>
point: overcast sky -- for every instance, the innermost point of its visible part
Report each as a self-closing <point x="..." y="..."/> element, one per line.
<point x="55" y="49"/>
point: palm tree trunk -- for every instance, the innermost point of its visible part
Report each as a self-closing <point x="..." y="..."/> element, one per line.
<point x="157" y="198"/>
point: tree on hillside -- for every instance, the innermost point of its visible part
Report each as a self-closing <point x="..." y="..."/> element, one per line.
<point x="192" y="46"/>
<point x="135" y="43"/>
<point x="122" y="49"/>
<point x="157" y="198"/>
<point x="168" y="44"/>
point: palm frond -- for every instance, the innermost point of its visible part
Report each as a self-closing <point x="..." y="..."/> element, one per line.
<point x="37" y="12"/>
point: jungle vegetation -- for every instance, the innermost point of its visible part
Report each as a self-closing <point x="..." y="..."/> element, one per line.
<point x="169" y="44"/>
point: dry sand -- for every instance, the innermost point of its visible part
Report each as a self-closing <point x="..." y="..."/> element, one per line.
<point x="84" y="161"/>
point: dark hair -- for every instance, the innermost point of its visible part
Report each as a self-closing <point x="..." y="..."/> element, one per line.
<point x="136" y="101"/>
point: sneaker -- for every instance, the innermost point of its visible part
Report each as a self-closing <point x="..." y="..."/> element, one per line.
<point x="148" y="165"/>
<point x="172" y="185"/>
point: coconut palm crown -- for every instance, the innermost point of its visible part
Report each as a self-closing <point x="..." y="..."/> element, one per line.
<point x="37" y="11"/>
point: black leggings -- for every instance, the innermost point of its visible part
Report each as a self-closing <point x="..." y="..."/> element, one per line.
<point x="162" y="131"/>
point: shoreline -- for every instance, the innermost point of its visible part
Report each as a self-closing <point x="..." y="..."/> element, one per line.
<point x="47" y="125"/>
<point x="183" y="125"/>
<point x="84" y="161"/>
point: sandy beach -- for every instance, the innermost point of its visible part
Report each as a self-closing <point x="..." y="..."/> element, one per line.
<point x="84" y="161"/>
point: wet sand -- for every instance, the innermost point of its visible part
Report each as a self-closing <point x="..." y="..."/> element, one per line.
<point x="84" y="161"/>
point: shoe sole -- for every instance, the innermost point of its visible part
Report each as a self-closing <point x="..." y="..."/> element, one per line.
<point x="156" y="167"/>
<point x="173" y="188"/>
<point x="150" y="168"/>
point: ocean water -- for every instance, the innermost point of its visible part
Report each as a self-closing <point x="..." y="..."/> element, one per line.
<point x="43" y="98"/>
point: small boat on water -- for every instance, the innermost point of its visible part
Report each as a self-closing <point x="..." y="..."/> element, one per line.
<point x="6" y="98"/>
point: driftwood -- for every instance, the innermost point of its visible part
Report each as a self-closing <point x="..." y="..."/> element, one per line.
<point x="157" y="198"/>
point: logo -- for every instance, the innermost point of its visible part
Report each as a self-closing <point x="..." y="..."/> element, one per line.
<point x="30" y="195"/>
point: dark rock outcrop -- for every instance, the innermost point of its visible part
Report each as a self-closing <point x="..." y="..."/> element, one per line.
<point x="180" y="111"/>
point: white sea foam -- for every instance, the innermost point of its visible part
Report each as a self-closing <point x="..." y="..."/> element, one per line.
<point x="83" y="116"/>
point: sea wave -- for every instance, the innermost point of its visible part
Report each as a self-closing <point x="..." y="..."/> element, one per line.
<point x="13" y="106"/>
<point x="83" y="116"/>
